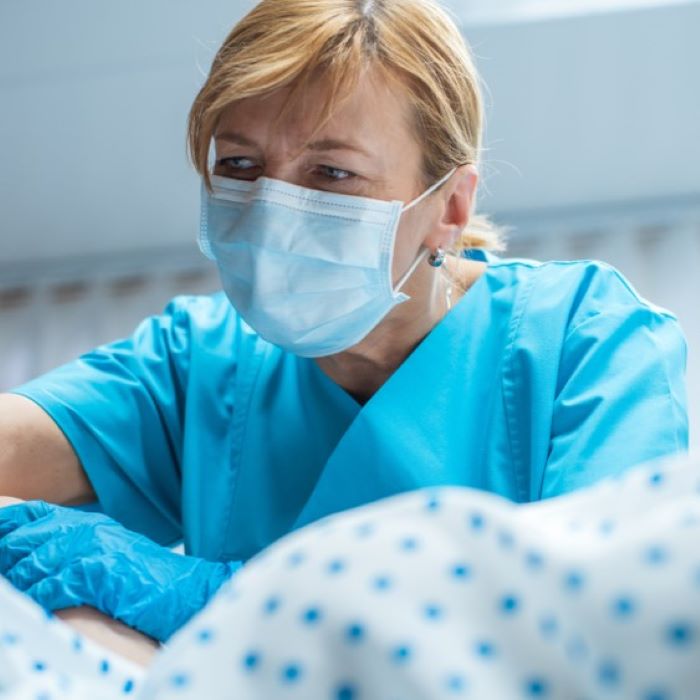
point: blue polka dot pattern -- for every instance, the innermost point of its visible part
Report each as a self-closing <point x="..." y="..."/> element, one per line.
<point x="549" y="626"/>
<point x="432" y="504"/>
<point x="657" y="694"/>
<point x="312" y="616"/>
<point x="608" y="673"/>
<point x="477" y="522"/>
<point x="205" y="636"/>
<point x="574" y="581"/>
<point x="656" y="479"/>
<point x="382" y="582"/>
<point x="509" y="604"/>
<point x="291" y="673"/>
<point x="457" y="595"/>
<point x="346" y="691"/>
<point x="461" y="571"/>
<point x="336" y="566"/>
<point x="179" y="680"/>
<point x="409" y="544"/>
<point x="365" y="530"/>
<point x="656" y="555"/>
<point x="355" y="632"/>
<point x="506" y="539"/>
<point x="623" y="607"/>
<point x="536" y="688"/>
<point x="455" y="683"/>
<point x="606" y="527"/>
<point x="251" y="660"/>
<point x="433" y="611"/>
<point x="534" y="560"/>
<point x="401" y="654"/>
<point x="485" y="649"/>
<point x="680" y="634"/>
<point x="296" y="558"/>
<point x="271" y="605"/>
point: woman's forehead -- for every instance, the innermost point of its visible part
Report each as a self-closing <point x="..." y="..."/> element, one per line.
<point x="373" y="114"/>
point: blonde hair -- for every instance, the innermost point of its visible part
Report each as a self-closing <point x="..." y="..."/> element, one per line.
<point x="286" y="43"/>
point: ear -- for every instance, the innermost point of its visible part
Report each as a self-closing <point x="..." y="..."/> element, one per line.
<point x="458" y="196"/>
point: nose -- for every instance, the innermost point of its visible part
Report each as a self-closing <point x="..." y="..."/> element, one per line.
<point x="286" y="169"/>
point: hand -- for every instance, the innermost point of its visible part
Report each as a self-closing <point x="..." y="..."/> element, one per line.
<point x="64" y="558"/>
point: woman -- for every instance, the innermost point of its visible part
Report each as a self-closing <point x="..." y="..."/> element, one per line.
<point x="351" y="358"/>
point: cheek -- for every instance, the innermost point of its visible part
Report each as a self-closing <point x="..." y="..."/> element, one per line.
<point x="406" y="247"/>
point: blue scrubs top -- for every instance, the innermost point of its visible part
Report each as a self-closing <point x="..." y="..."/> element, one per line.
<point x="543" y="378"/>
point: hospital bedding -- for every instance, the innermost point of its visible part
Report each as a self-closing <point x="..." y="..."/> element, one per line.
<point x="445" y="593"/>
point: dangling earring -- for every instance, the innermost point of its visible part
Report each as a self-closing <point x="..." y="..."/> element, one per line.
<point x="437" y="258"/>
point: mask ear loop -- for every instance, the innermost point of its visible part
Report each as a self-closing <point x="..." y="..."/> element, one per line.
<point x="426" y="251"/>
<point x="211" y="158"/>
<point x="429" y="191"/>
<point x="202" y="237"/>
<point x="419" y="259"/>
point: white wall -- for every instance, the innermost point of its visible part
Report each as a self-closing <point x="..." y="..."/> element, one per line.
<point x="586" y="111"/>
<point x="510" y="11"/>
<point x="94" y="99"/>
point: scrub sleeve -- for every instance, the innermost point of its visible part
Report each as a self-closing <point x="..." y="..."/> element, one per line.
<point x="121" y="407"/>
<point x="593" y="379"/>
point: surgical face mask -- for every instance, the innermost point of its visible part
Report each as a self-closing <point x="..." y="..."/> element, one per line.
<point x="309" y="271"/>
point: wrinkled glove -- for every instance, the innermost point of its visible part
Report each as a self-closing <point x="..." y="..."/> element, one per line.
<point x="64" y="558"/>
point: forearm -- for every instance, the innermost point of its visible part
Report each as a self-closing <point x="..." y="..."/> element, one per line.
<point x="36" y="460"/>
<point x="111" y="634"/>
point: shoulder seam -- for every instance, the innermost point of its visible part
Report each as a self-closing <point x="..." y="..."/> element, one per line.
<point x="538" y="265"/>
<point x="616" y="312"/>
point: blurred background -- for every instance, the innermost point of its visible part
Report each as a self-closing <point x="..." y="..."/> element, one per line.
<point x="592" y="151"/>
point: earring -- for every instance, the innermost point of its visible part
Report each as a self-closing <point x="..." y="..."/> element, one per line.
<point x="437" y="258"/>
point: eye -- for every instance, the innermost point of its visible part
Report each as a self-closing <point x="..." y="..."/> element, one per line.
<point x="236" y="166"/>
<point x="329" y="172"/>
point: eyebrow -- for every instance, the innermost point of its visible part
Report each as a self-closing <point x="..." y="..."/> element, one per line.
<point x="336" y="145"/>
<point x="235" y="137"/>
<point x="321" y="145"/>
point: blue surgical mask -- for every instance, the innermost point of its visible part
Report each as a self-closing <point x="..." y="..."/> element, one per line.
<point x="309" y="271"/>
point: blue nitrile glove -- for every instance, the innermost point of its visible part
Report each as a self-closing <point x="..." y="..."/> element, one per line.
<point x="65" y="558"/>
